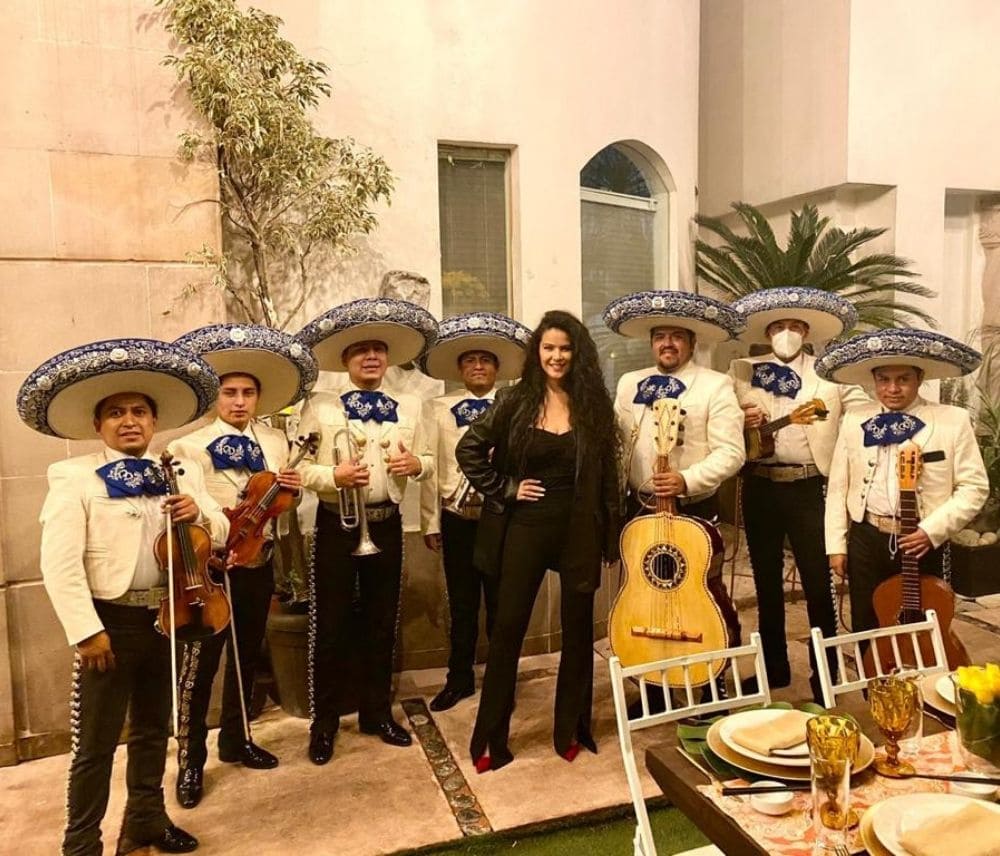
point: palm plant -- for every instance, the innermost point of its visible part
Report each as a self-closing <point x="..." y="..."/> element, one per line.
<point x="814" y="256"/>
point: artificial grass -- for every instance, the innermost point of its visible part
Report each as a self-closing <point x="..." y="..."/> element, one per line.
<point x="672" y="832"/>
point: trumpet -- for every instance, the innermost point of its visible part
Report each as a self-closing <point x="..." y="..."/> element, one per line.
<point x="464" y="498"/>
<point x="352" y="506"/>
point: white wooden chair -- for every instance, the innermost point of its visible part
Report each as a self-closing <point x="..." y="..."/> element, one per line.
<point x="620" y="676"/>
<point x="851" y="642"/>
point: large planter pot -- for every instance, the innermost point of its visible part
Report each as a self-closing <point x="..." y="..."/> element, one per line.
<point x="975" y="571"/>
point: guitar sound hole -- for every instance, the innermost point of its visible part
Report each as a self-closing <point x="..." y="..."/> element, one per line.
<point x="910" y="616"/>
<point x="664" y="567"/>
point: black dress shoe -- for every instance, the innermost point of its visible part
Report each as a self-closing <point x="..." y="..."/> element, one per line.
<point x="389" y="731"/>
<point x="249" y="755"/>
<point x="173" y="839"/>
<point x="449" y="697"/>
<point x="321" y="746"/>
<point x="189" y="786"/>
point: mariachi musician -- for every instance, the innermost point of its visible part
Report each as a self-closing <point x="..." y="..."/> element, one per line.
<point x="100" y="521"/>
<point x="863" y="540"/>
<point x="673" y="322"/>
<point x="260" y="372"/>
<point x="476" y="350"/>
<point x="783" y="493"/>
<point x="371" y="444"/>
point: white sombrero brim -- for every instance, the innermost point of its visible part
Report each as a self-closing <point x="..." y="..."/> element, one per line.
<point x="706" y="332"/>
<point x="441" y="361"/>
<point x="823" y="326"/>
<point x="861" y="372"/>
<point x="279" y="378"/>
<point x="70" y="412"/>
<point x="403" y="343"/>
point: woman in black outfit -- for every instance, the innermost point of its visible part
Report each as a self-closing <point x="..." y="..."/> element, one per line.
<point x="545" y="459"/>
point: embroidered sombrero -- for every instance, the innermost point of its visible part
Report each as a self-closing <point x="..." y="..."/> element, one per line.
<point x="637" y="314"/>
<point x="405" y="328"/>
<point x="939" y="356"/>
<point x="284" y="366"/>
<point x="497" y="334"/>
<point x="59" y="397"/>
<point x="828" y="315"/>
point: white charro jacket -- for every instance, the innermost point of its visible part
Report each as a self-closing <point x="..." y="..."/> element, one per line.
<point x="324" y="413"/>
<point x="950" y="491"/>
<point x="820" y="435"/>
<point x="444" y="435"/>
<point x="713" y="430"/>
<point x="90" y="542"/>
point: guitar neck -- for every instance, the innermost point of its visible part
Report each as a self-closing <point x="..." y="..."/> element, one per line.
<point x="775" y="426"/>
<point x="665" y="504"/>
<point x="908" y="520"/>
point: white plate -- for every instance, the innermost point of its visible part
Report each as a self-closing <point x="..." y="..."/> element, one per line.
<point x="894" y="816"/>
<point x="752" y="718"/>
<point x="945" y="688"/>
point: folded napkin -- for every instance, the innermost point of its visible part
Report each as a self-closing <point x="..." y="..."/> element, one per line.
<point x="973" y="831"/>
<point x="782" y="732"/>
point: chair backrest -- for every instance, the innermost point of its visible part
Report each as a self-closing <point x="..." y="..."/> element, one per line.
<point x="852" y="643"/>
<point x="752" y="657"/>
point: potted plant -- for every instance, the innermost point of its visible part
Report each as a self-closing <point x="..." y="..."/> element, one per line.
<point x="291" y="202"/>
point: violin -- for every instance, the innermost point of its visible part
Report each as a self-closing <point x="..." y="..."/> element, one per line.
<point x="262" y="500"/>
<point x="184" y="552"/>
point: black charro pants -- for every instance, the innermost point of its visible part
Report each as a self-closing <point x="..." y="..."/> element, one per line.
<point x="869" y="562"/>
<point x="467" y="587"/>
<point x="251" y="590"/>
<point x="773" y="511"/>
<point x="139" y="685"/>
<point x="334" y="575"/>
<point x="530" y="548"/>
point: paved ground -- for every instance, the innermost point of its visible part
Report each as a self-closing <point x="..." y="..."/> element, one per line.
<point x="375" y="799"/>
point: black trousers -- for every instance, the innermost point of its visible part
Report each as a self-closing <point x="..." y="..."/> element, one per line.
<point x="869" y="562"/>
<point x="772" y="511"/>
<point x="530" y="548"/>
<point x="140" y="686"/>
<point x="467" y="587"/>
<point x="251" y="590"/>
<point x="334" y="575"/>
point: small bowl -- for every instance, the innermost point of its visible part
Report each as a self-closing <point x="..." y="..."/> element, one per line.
<point x="975" y="790"/>
<point x="777" y="803"/>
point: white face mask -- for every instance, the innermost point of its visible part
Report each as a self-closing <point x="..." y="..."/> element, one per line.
<point x="786" y="343"/>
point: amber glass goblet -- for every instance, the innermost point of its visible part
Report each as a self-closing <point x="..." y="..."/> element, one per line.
<point x="833" y="743"/>
<point x="893" y="703"/>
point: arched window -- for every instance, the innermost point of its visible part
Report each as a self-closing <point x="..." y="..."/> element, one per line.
<point x="624" y="209"/>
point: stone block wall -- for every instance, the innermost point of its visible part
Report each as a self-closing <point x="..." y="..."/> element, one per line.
<point x="99" y="217"/>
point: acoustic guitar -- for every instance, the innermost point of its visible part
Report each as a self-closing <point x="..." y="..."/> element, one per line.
<point x="902" y="598"/>
<point x="760" y="440"/>
<point x="664" y="608"/>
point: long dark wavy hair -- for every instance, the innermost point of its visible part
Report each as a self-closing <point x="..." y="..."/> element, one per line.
<point x="590" y="406"/>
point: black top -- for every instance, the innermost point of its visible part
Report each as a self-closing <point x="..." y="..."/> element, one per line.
<point x="551" y="458"/>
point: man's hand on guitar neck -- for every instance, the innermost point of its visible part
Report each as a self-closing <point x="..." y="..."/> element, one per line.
<point x="917" y="543"/>
<point x="753" y="416"/>
<point x="668" y="485"/>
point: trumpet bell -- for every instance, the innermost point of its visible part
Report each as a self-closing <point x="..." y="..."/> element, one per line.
<point x="366" y="547"/>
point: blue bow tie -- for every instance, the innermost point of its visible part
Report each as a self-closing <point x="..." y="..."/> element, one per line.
<point x="468" y="410"/>
<point x="776" y="379"/>
<point x="655" y="387"/>
<point x="365" y="404"/>
<point x="884" y="429"/>
<point x="233" y="451"/>
<point x="132" y="477"/>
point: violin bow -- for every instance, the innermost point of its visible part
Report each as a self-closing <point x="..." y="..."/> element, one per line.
<point x="236" y="660"/>
<point x="173" y="618"/>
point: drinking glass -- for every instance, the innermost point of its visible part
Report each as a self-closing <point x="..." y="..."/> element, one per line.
<point x="909" y="741"/>
<point x="893" y="703"/>
<point x="833" y="748"/>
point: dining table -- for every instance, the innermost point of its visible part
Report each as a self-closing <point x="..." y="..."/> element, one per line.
<point x="679" y="777"/>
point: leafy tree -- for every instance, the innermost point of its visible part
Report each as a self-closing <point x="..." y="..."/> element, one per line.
<point x="814" y="256"/>
<point x="289" y="196"/>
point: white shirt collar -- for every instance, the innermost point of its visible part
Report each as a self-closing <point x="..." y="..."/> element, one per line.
<point x="112" y="455"/>
<point x="223" y="428"/>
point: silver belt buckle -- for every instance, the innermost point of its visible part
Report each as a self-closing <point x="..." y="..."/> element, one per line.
<point x="379" y="514"/>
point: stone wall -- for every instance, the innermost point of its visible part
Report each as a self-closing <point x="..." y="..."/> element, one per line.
<point x="98" y="220"/>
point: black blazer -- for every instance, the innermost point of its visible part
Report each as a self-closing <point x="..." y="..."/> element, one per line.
<point x="596" y="520"/>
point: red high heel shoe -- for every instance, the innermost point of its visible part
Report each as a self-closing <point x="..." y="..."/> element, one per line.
<point x="483" y="763"/>
<point x="571" y="753"/>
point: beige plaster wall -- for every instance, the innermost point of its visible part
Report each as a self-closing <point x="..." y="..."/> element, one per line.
<point x="93" y="246"/>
